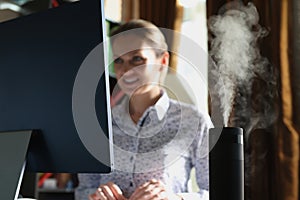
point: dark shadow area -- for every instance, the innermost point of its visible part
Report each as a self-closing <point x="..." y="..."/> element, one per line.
<point x="11" y="9"/>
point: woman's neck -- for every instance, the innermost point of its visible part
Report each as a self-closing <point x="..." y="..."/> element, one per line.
<point x="139" y="103"/>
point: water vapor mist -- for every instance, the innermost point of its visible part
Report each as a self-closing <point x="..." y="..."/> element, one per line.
<point x="239" y="66"/>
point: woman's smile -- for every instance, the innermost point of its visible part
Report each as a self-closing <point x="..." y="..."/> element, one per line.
<point x="130" y="80"/>
<point x="130" y="84"/>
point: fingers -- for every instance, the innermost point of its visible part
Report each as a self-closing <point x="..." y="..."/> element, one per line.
<point x="98" y="195"/>
<point x="116" y="191"/>
<point x="109" y="191"/>
<point x="150" y="190"/>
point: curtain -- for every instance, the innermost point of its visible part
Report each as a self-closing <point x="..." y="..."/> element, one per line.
<point x="274" y="152"/>
<point x="288" y="137"/>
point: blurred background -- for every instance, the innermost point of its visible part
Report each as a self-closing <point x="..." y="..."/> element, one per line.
<point x="272" y="163"/>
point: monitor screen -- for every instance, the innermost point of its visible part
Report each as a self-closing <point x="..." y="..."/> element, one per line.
<point x="53" y="81"/>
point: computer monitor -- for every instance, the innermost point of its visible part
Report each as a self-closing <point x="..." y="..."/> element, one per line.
<point x="53" y="80"/>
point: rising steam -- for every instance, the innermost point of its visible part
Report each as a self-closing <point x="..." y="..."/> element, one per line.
<point x="239" y="66"/>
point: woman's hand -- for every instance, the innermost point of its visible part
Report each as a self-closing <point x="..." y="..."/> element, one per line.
<point x="153" y="190"/>
<point x="109" y="191"/>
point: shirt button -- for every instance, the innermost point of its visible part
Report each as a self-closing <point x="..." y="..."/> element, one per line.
<point x="131" y="184"/>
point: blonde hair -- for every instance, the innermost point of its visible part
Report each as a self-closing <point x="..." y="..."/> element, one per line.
<point x="146" y="30"/>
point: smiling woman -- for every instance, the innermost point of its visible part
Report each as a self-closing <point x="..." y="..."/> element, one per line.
<point x="140" y="62"/>
<point x="157" y="140"/>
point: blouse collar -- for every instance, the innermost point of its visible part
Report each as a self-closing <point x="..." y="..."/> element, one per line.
<point x="121" y="111"/>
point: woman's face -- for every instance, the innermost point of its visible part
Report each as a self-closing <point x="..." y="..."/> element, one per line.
<point x="137" y="67"/>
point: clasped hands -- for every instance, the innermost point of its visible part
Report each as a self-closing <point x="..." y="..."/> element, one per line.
<point x="151" y="190"/>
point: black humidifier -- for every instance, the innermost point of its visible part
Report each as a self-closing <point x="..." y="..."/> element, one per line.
<point x="226" y="164"/>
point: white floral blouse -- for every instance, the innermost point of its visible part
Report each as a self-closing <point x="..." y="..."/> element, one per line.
<point x="167" y="142"/>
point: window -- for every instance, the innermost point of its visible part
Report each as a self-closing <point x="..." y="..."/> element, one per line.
<point x="194" y="29"/>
